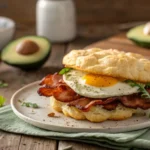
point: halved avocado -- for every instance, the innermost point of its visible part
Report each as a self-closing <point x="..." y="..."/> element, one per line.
<point x="29" y="52"/>
<point x="137" y="35"/>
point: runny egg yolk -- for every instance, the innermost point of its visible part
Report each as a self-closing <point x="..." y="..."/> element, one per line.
<point x="99" y="80"/>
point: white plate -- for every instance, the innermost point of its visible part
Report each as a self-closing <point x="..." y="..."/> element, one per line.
<point x="39" y="117"/>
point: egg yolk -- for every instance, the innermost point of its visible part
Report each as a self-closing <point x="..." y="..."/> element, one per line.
<point x="99" y="80"/>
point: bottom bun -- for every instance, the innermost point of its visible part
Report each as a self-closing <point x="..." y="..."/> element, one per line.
<point x="95" y="114"/>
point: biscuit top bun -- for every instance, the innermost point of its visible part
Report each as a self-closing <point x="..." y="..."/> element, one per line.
<point x="110" y="62"/>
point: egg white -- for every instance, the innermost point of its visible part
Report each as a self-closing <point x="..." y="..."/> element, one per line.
<point x="74" y="80"/>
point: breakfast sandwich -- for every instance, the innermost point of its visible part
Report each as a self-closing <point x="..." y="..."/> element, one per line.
<point x="99" y="85"/>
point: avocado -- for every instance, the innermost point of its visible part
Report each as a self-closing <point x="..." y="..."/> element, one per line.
<point x="28" y="52"/>
<point x="137" y="35"/>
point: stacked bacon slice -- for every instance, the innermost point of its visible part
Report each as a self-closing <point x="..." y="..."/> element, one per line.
<point x="53" y="85"/>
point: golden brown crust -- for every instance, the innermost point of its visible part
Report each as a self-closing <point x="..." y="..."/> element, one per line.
<point x="110" y="62"/>
<point x="96" y="113"/>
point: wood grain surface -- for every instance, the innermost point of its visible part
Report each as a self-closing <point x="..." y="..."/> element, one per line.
<point x="17" y="78"/>
<point x="88" y="11"/>
<point x="120" y="42"/>
<point x="36" y="143"/>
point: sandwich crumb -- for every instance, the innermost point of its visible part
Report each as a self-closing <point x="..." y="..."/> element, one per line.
<point x="51" y="114"/>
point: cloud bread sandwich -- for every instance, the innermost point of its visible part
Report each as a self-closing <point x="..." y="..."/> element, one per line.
<point x="99" y="85"/>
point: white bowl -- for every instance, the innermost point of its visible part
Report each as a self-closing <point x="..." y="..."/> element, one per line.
<point x="7" y="29"/>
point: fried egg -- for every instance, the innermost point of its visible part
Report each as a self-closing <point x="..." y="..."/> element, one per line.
<point x="97" y="86"/>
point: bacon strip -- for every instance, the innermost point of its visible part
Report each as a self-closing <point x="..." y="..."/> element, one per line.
<point x="53" y="85"/>
<point x="80" y="103"/>
<point x="44" y="91"/>
<point x="134" y="101"/>
<point x="92" y="103"/>
<point x="111" y="106"/>
<point x="51" y="80"/>
<point x="85" y="104"/>
<point x="47" y="80"/>
<point x="64" y="93"/>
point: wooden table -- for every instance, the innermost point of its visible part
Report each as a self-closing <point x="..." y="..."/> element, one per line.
<point x="17" y="78"/>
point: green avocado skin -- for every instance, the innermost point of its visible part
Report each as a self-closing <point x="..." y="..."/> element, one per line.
<point x="136" y="35"/>
<point x="32" y="65"/>
<point x="140" y="43"/>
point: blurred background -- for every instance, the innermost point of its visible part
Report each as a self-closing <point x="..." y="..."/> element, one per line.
<point x="88" y="11"/>
<point x="93" y="16"/>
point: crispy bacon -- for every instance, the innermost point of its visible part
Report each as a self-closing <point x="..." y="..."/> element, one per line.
<point x="85" y="104"/>
<point x="53" y="85"/>
<point x="62" y="93"/>
<point x="111" y="106"/>
<point x="110" y="100"/>
<point x="51" y="80"/>
<point x="47" y="80"/>
<point x="134" y="101"/>
<point x="65" y="94"/>
<point x="80" y="103"/>
<point x="44" y="91"/>
<point x="92" y="103"/>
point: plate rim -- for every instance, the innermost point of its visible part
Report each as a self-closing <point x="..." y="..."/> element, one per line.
<point x="39" y="124"/>
<point x="22" y="116"/>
